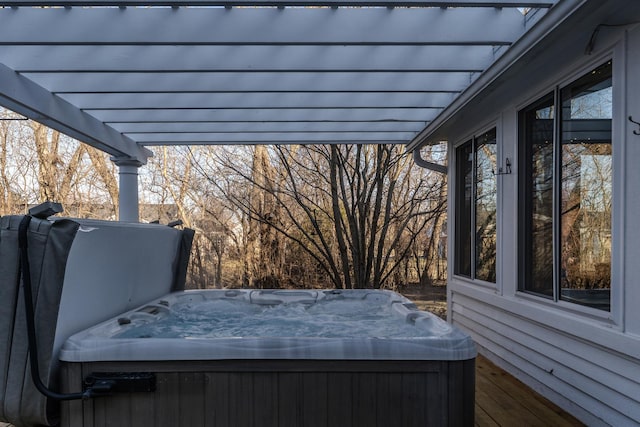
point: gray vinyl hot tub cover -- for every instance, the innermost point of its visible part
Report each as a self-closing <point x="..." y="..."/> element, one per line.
<point x="49" y="244"/>
<point x="82" y="272"/>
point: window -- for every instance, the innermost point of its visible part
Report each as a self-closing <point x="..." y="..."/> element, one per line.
<point x="476" y="204"/>
<point x="565" y="188"/>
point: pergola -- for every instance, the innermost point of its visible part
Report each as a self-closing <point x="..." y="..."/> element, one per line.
<point x="123" y="75"/>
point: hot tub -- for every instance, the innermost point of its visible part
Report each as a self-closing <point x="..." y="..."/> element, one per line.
<point x="275" y="358"/>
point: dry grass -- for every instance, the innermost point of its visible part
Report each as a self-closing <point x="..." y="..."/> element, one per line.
<point x="431" y="298"/>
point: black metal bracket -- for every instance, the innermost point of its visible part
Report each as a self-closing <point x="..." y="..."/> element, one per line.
<point x="635" y="132"/>
<point x="107" y="383"/>
<point x="507" y="168"/>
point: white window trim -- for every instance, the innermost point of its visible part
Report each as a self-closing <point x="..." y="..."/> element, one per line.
<point x="614" y="317"/>
<point x="470" y="136"/>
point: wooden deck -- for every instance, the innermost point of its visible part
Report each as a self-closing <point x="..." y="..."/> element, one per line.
<point x="502" y="400"/>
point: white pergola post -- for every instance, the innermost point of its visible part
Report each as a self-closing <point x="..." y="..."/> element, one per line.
<point x="128" y="196"/>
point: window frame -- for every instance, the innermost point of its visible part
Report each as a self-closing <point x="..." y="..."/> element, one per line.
<point x="555" y="93"/>
<point x="524" y="208"/>
<point x="473" y="140"/>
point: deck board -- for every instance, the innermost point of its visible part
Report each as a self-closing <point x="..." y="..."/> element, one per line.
<point x="502" y="400"/>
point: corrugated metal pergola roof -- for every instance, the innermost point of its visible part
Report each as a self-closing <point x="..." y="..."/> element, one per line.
<point x="125" y="74"/>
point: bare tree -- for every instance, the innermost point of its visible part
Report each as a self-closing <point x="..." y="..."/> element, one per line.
<point x="38" y="164"/>
<point x="268" y="216"/>
<point x="347" y="207"/>
<point x="106" y="172"/>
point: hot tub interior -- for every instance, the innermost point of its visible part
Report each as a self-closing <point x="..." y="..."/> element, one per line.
<point x="272" y="324"/>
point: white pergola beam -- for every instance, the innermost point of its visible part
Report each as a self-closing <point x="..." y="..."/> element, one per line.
<point x="133" y="129"/>
<point x="270" y="137"/>
<point x="23" y="96"/>
<point x="280" y="142"/>
<point x="259" y="26"/>
<point x="43" y="59"/>
<point x="252" y="82"/>
<point x="260" y="115"/>
<point x="258" y="100"/>
<point x="284" y="3"/>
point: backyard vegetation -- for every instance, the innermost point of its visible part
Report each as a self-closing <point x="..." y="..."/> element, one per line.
<point x="343" y="216"/>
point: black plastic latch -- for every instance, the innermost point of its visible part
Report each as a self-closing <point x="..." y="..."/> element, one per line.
<point x="45" y="210"/>
<point x="106" y="383"/>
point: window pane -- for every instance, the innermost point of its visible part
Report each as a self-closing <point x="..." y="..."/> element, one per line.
<point x="585" y="208"/>
<point x="485" y="206"/>
<point x="537" y="207"/>
<point x="464" y="194"/>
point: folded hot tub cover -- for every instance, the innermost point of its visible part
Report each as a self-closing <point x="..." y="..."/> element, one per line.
<point x="49" y="244"/>
<point x="83" y="272"/>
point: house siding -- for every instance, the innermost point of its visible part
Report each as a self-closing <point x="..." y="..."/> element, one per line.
<point x="598" y="385"/>
<point x="585" y="360"/>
